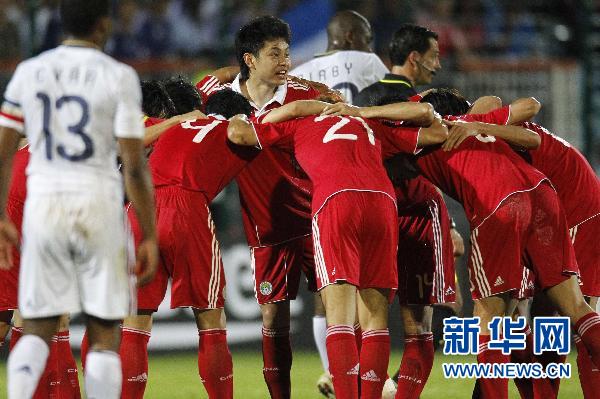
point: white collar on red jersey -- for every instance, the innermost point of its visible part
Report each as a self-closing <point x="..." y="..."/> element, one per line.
<point x="278" y="97"/>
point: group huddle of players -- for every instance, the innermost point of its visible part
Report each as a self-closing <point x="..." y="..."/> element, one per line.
<point x="349" y="196"/>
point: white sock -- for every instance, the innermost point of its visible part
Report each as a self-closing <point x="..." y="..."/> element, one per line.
<point x="103" y="375"/>
<point x="26" y="363"/>
<point x="320" y="335"/>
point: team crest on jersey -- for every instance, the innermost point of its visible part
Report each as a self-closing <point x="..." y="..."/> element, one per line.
<point x="266" y="288"/>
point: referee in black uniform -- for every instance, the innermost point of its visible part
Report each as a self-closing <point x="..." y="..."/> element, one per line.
<point x="414" y="54"/>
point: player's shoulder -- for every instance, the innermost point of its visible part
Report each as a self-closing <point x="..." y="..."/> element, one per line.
<point x="296" y="86"/>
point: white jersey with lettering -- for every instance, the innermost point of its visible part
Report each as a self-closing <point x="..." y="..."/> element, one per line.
<point x="348" y="71"/>
<point x="72" y="103"/>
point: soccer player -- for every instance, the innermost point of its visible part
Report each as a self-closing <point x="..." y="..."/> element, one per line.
<point x="464" y="169"/>
<point x="566" y="167"/>
<point x="349" y="64"/>
<point x="191" y="163"/>
<point x="414" y="55"/>
<point x="353" y="184"/>
<point x="73" y="103"/>
<point x="275" y="194"/>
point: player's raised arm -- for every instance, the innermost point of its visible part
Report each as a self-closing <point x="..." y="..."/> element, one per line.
<point x="152" y="133"/>
<point x="436" y="133"/>
<point x="420" y="114"/>
<point x="514" y="135"/>
<point x="326" y="93"/>
<point x="9" y="142"/>
<point x="295" y="109"/>
<point x="241" y="132"/>
<point x="522" y="110"/>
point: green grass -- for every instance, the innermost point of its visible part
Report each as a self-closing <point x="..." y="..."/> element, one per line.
<point x="176" y="377"/>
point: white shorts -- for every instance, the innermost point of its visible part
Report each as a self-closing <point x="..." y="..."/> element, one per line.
<point x="74" y="256"/>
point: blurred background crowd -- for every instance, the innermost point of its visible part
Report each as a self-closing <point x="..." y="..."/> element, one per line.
<point x="513" y="29"/>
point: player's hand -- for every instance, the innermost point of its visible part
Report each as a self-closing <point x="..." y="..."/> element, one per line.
<point x="9" y="237"/>
<point x="146" y="261"/>
<point x="190" y="116"/>
<point x="458" y="132"/>
<point x="339" y="109"/>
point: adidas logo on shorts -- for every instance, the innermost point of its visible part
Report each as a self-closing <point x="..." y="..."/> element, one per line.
<point x="499" y="281"/>
<point x="370" y="376"/>
<point x="449" y="291"/>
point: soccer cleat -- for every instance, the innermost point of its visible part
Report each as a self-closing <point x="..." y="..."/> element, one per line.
<point x="389" y="389"/>
<point x="325" y="385"/>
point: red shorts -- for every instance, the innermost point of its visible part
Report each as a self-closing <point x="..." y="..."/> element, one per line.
<point x="528" y="228"/>
<point x="277" y="269"/>
<point x="425" y="255"/>
<point x="356" y="236"/>
<point x="9" y="279"/>
<point x="587" y="252"/>
<point x="189" y="253"/>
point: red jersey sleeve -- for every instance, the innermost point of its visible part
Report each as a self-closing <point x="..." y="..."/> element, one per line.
<point x="275" y="134"/>
<point x="498" y="116"/>
<point x="394" y="140"/>
<point x="207" y="86"/>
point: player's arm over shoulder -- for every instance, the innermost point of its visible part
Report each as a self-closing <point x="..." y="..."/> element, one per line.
<point x="295" y="109"/>
<point x="240" y="131"/>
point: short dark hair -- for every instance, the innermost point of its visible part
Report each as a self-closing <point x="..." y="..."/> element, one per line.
<point x="79" y="18"/>
<point x="447" y="101"/>
<point x="252" y="37"/>
<point x="228" y="103"/>
<point x="407" y="39"/>
<point x="156" y="102"/>
<point x="184" y="94"/>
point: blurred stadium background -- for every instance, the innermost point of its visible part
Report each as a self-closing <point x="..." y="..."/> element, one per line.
<point x="549" y="49"/>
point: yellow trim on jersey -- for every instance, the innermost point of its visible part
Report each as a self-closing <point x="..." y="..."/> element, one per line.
<point x="404" y="82"/>
<point x="145" y="118"/>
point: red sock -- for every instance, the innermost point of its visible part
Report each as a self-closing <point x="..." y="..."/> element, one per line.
<point x="215" y="364"/>
<point x="15" y="334"/>
<point x="524" y="385"/>
<point x="416" y="364"/>
<point x="343" y="361"/>
<point x="85" y="347"/>
<point x="588" y="328"/>
<point x="277" y="361"/>
<point x="358" y="337"/>
<point x="48" y="387"/>
<point x="67" y="368"/>
<point x="134" y="362"/>
<point x="491" y="388"/>
<point x="374" y="360"/>
<point x="547" y="388"/>
<point x="589" y="374"/>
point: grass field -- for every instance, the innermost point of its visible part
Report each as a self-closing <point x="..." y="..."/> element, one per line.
<point x="176" y="377"/>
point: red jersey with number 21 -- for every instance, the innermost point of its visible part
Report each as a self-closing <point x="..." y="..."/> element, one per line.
<point x="338" y="153"/>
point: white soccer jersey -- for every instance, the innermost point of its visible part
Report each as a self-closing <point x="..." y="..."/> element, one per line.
<point x="347" y="71"/>
<point x="72" y="103"/>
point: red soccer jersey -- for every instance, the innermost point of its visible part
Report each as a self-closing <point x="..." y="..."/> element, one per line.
<point x="567" y="168"/>
<point x="338" y="153"/>
<point x="275" y="193"/>
<point x="415" y="192"/>
<point x="196" y="156"/>
<point x="480" y="173"/>
<point x="571" y="175"/>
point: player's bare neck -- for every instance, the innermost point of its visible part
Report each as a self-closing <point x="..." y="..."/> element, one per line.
<point x="78" y="42"/>
<point x="258" y="91"/>
<point x="404" y="71"/>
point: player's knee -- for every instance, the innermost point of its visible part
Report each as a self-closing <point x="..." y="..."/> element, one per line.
<point x="103" y="335"/>
<point x="276" y="315"/>
<point x="210" y="319"/>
